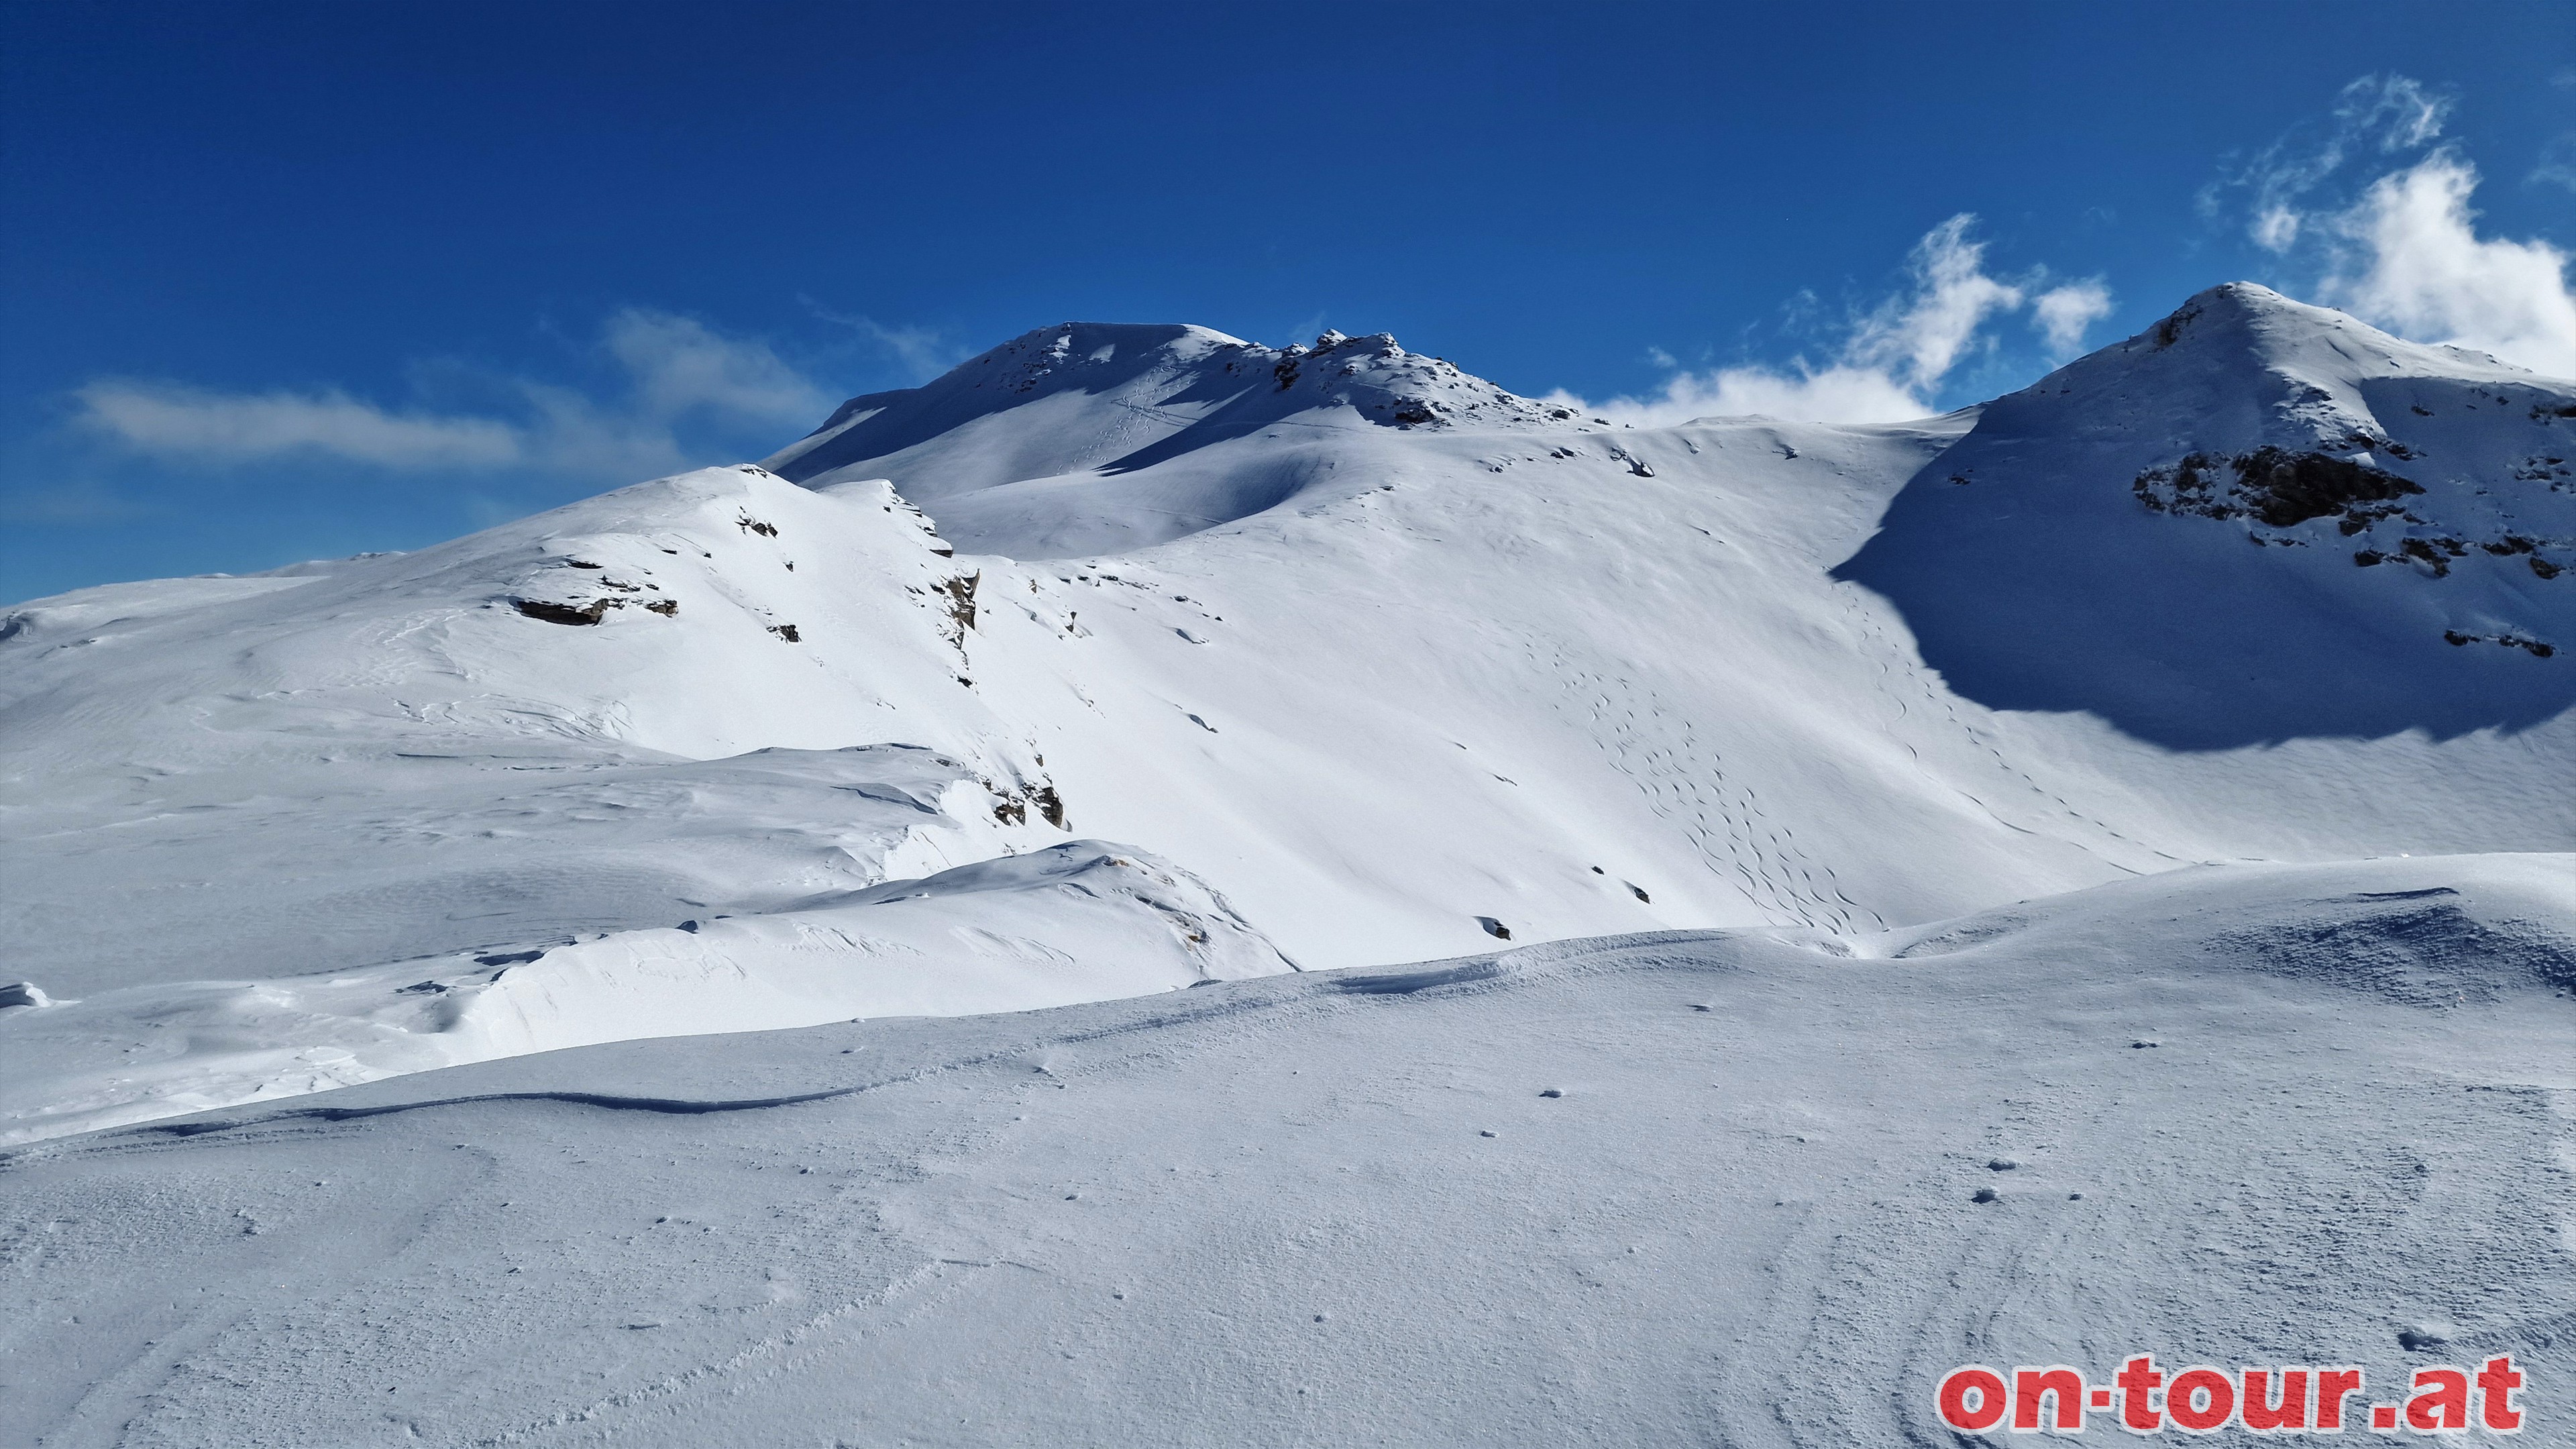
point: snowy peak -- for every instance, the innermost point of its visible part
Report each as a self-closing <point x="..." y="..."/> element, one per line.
<point x="2241" y="366"/>
<point x="1389" y="386"/>
<point x="2244" y="406"/>
<point x="1087" y="396"/>
<point x="2408" y="508"/>
<point x="1086" y="357"/>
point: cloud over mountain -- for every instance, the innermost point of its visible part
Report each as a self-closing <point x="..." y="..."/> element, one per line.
<point x="1892" y="359"/>
<point x="2399" y="246"/>
<point x="669" y="371"/>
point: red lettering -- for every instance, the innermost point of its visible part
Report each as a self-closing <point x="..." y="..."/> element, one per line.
<point x="2138" y="1381"/>
<point x="2267" y="1415"/>
<point x="2497" y="1381"/>
<point x="1972" y="1399"/>
<point x="2030" y="1385"/>
<point x="2334" y="1385"/>
<point x="2441" y="1401"/>
<point x="2200" y="1400"/>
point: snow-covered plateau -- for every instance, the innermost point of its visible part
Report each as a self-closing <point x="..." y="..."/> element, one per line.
<point x="906" y="942"/>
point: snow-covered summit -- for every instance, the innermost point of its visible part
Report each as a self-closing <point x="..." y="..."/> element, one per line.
<point x="2410" y="511"/>
<point x="2241" y="366"/>
<point x="1056" y="424"/>
<point x="1130" y="374"/>
<point x="1097" y="395"/>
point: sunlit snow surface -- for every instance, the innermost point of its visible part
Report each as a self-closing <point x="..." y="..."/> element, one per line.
<point x="1166" y="667"/>
<point x="2253" y="1114"/>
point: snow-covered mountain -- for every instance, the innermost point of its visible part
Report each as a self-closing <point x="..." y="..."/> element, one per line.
<point x="1402" y="663"/>
<point x="2411" y="511"/>
<point x="1035" y="448"/>
<point x="1853" y="780"/>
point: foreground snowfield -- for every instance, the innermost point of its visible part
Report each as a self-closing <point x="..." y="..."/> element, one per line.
<point x="2229" y="1114"/>
<point x="903" y="943"/>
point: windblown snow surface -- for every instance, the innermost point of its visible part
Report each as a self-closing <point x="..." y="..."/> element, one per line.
<point x="904" y="943"/>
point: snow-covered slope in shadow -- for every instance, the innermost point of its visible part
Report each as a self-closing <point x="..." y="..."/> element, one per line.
<point x="2410" y="511"/>
<point x="1758" y="1189"/>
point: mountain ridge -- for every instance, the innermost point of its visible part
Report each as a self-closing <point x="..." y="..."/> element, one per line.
<point x="1387" y="690"/>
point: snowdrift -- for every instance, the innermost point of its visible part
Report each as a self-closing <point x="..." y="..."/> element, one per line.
<point x="1075" y="922"/>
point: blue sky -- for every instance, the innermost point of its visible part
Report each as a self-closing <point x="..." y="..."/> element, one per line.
<point x="283" y="280"/>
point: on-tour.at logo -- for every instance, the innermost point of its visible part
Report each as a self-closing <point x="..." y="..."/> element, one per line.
<point x="2440" y="1399"/>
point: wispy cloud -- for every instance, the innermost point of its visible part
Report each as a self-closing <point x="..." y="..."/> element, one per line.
<point x="2375" y="115"/>
<point x="2371" y="206"/>
<point x="680" y="366"/>
<point x="1893" y="357"/>
<point x="174" y="420"/>
<point x="922" y="352"/>
<point x="2557" y="166"/>
<point x="671" y="369"/>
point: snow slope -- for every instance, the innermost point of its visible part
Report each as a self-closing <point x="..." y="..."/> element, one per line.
<point x="1396" y="662"/>
<point x="2228" y="1115"/>
<point x="271" y="835"/>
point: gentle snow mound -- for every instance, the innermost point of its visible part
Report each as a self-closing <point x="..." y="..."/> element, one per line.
<point x="1081" y="921"/>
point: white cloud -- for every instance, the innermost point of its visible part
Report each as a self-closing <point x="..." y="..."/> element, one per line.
<point x="1919" y="337"/>
<point x="2401" y="249"/>
<point x="2062" y="313"/>
<point x="1835" y="394"/>
<point x="679" y="365"/>
<point x="2383" y="114"/>
<point x="2276" y="228"/>
<point x="572" y="435"/>
<point x="1895" y="356"/>
<point x="675" y="369"/>
<point x="2409" y="258"/>
<point x="171" y="420"/>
